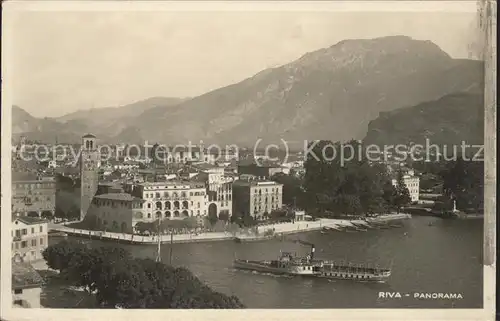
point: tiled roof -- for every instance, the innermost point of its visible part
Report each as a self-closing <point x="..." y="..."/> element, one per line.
<point x="205" y="166"/>
<point x="118" y="197"/>
<point x="241" y="182"/>
<point x="29" y="220"/>
<point x="24" y="275"/>
<point x="23" y="176"/>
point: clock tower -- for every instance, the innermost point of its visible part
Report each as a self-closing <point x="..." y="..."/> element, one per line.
<point x="89" y="172"/>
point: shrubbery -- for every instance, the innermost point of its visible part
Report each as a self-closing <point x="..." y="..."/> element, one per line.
<point x="118" y="280"/>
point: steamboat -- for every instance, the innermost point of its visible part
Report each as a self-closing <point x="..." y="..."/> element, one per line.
<point x="309" y="266"/>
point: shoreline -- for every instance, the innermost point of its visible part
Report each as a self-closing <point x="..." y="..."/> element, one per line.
<point x="278" y="229"/>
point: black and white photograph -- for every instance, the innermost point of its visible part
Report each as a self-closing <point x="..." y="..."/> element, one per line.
<point x="318" y="157"/>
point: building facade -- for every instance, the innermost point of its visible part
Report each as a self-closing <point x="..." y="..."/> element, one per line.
<point x="171" y="199"/>
<point x="413" y="184"/>
<point x="29" y="238"/>
<point x="265" y="172"/>
<point x="181" y="155"/>
<point x="26" y="284"/>
<point x="256" y="197"/>
<point x="89" y="172"/>
<point x="219" y="190"/>
<point x="115" y="212"/>
<point x="33" y="195"/>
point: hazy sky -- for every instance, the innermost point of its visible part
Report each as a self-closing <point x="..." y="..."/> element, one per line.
<point x="65" y="61"/>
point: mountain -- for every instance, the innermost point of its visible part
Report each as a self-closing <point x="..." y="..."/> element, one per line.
<point x="450" y="120"/>
<point x="331" y="93"/>
<point x="40" y="129"/>
<point x="104" y="122"/>
<point x="112" y="121"/>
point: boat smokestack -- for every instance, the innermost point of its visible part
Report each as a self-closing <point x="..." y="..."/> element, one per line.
<point x="312" y="252"/>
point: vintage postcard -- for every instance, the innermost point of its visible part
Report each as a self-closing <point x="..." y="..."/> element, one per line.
<point x="296" y="160"/>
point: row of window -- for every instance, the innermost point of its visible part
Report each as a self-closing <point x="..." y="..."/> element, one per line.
<point x="29" y="200"/>
<point x="174" y="194"/>
<point x="168" y="214"/>
<point x="116" y="204"/>
<point x="257" y="209"/>
<point x="33" y="185"/>
<point x="24" y="244"/>
<point x="266" y="191"/>
<point x="24" y="231"/>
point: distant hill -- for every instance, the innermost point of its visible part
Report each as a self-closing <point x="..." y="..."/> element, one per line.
<point x="332" y="93"/>
<point x="446" y="121"/>
<point x="41" y="129"/>
<point x="104" y="122"/>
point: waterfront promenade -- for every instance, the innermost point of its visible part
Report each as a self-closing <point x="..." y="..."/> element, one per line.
<point x="262" y="232"/>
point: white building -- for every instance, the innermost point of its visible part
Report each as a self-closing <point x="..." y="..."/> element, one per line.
<point x="412" y="182"/>
<point x="219" y="189"/>
<point x="29" y="238"/>
<point x="172" y="199"/>
<point x="257" y="198"/>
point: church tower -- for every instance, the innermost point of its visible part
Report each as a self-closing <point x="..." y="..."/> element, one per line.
<point x="89" y="172"/>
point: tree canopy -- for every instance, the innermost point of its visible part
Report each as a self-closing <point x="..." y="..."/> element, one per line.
<point x="339" y="179"/>
<point x="463" y="181"/>
<point x="118" y="280"/>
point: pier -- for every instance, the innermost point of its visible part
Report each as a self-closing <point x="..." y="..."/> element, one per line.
<point x="278" y="229"/>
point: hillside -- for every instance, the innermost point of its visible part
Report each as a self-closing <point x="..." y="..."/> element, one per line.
<point x="41" y="129"/>
<point x="332" y="93"/>
<point x="451" y="120"/>
<point x="104" y="122"/>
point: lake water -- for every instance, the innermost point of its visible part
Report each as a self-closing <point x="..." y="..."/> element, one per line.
<point x="427" y="255"/>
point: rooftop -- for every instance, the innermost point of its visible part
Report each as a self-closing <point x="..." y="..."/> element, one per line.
<point x="251" y="182"/>
<point x="191" y="183"/>
<point x="29" y="220"/>
<point x="24" y="176"/>
<point x="205" y="166"/>
<point x="118" y="197"/>
<point x="88" y="136"/>
<point x="24" y="275"/>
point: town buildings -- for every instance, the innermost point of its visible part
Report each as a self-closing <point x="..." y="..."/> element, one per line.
<point x="182" y="154"/>
<point x="33" y="195"/>
<point x="29" y="237"/>
<point x="89" y="172"/>
<point x="26" y="284"/>
<point x="115" y="212"/>
<point x="263" y="171"/>
<point x="120" y="211"/>
<point x="412" y="182"/>
<point x="256" y="198"/>
<point x="219" y="189"/>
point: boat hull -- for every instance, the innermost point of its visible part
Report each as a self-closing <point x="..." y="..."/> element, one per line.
<point x="260" y="266"/>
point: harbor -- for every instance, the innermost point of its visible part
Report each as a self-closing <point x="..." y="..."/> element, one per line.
<point x="415" y="253"/>
<point x="261" y="233"/>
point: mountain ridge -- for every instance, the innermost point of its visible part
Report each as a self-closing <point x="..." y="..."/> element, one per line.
<point x="332" y="93"/>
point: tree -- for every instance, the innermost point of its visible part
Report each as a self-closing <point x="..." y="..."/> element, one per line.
<point x="463" y="181"/>
<point x="347" y="185"/>
<point x="59" y="256"/>
<point x="292" y="189"/>
<point x="47" y="215"/>
<point x="224" y="216"/>
<point x="212" y="218"/>
<point x="118" y="280"/>
<point x="278" y="215"/>
<point x="402" y="193"/>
